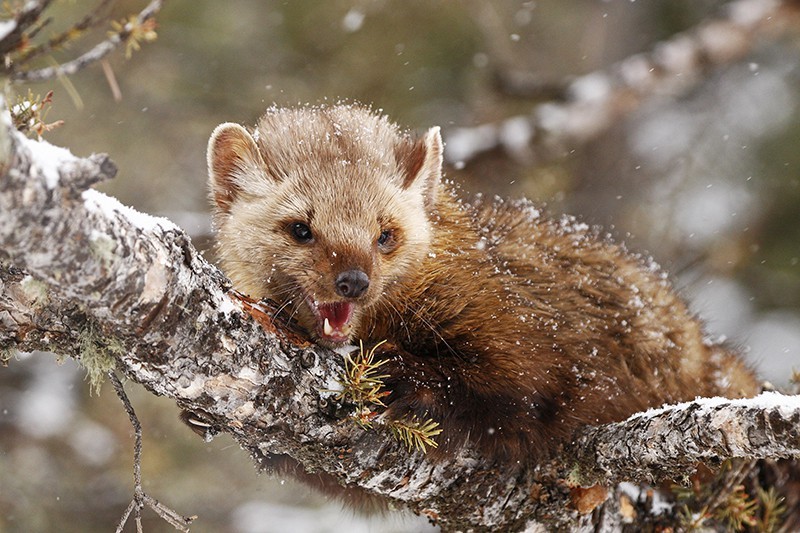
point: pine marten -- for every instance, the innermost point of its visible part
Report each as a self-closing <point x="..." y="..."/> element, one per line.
<point x="510" y="329"/>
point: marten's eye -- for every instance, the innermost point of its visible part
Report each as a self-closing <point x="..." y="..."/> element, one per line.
<point x="386" y="240"/>
<point x="300" y="232"/>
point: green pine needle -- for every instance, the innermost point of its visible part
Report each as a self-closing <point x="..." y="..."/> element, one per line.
<point x="415" y="434"/>
<point x="362" y="385"/>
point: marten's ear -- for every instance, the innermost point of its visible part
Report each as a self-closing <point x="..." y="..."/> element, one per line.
<point x="233" y="162"/>
<point x="421" y="163"/>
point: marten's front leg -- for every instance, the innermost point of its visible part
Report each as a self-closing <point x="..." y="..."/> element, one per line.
<point x="505" y="424"/>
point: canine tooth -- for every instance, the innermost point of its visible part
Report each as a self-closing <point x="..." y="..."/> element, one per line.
<point x="326" y="327"/>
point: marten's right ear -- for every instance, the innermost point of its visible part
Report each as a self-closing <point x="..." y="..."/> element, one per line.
<point x="233" y="162"/>
<point x="421" y="163"/>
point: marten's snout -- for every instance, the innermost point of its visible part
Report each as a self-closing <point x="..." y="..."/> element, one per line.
<point x="352" y="283"/>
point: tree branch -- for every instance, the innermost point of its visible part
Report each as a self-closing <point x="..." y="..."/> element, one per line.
<point x="84" y="276"/>
<point x="656" y="444"/>
<point x="98" y="52"/>
<point x="595" y="101"/>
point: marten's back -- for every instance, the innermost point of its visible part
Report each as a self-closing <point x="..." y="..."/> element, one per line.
<point x="606" y="305"/>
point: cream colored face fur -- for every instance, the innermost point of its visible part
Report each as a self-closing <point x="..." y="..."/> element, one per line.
<point x="315" y="195"/>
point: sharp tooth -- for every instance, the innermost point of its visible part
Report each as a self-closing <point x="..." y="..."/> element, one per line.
<point x="346" y="329"/>
<point x="326" y="328"/>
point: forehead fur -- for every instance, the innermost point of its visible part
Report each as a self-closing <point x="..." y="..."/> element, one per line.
<point x="339" y="139"/>
<point x="333" y="160"/>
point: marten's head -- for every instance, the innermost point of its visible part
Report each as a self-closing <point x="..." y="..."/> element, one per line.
<point x="324" y="210"/>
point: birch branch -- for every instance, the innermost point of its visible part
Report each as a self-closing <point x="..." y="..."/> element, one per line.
<point x="656" y="444"/>
<point x="96" y="53"/>
<point x="595" y="101"/>
<point x="84" y="276"/>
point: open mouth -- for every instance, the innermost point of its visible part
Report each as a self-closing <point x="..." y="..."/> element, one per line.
<point x="333" y="320"/>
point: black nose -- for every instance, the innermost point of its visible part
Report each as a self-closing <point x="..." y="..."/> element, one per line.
<point x="352" y="283"/>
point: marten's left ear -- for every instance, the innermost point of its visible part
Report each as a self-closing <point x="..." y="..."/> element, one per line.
<point x="234" y="162"/>
<point x="422" y="165"/>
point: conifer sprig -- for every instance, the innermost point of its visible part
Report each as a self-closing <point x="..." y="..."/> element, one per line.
<point x="414" y="433"/>
<point x="362" y="385"/>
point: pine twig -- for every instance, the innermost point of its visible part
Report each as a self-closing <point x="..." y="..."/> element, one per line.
<point x="415" y="433"/>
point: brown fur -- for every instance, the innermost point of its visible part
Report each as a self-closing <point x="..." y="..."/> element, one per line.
<point x="510" y="329"/>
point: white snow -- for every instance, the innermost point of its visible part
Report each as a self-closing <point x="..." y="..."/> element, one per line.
<point x="765" y="400"/>
<point x="332" y="386"/>
<point x="353" y="21"/>
<point x="346" y="349"/>
<point x="98" y="202"/>
<point x="6" y="27"/>
<point x="227" y="305"/>
<point x="516" y="134"/>
<point x="464" y="142"/>
<point x="661" y="505"/>
<point x="632" y="491"/>
<point x="47" y="159"/>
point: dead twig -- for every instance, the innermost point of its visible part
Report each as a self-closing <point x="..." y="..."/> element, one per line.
<point x="140" y="498"/>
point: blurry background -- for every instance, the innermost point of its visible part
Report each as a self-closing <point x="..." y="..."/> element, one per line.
<point x="706" y="181"/>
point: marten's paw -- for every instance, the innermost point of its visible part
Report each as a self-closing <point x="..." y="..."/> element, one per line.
<point x="499" y="427"/>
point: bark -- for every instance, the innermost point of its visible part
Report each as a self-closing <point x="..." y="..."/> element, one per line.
<point x="656" y="444"/>
<point x="86" y="277"/>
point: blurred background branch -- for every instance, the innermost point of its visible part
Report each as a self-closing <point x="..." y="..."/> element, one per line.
<point x="20" y="46"/>
<point x="579" y="110"/>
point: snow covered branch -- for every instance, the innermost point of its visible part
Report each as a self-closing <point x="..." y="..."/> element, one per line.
<point x="84" y="276"/>
<point x="595" y="101"/>
<point x="656" y="444"/>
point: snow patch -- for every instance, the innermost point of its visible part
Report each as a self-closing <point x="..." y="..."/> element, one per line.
<point x="226" y="305"/>
<point x="630" y="490"/>
<point x="660" y="504"/>
<point x="464" y="142"/>
<point x="332" y="387"/>
<point x="345" y="350"/>
<point x="6" y="27"/>
<point x="97" y="202"/>
<point x="353" y="20"/>
<point x="765" y="400"/>
<point x="155" y="281"/>
<point x="47" y="159"/>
